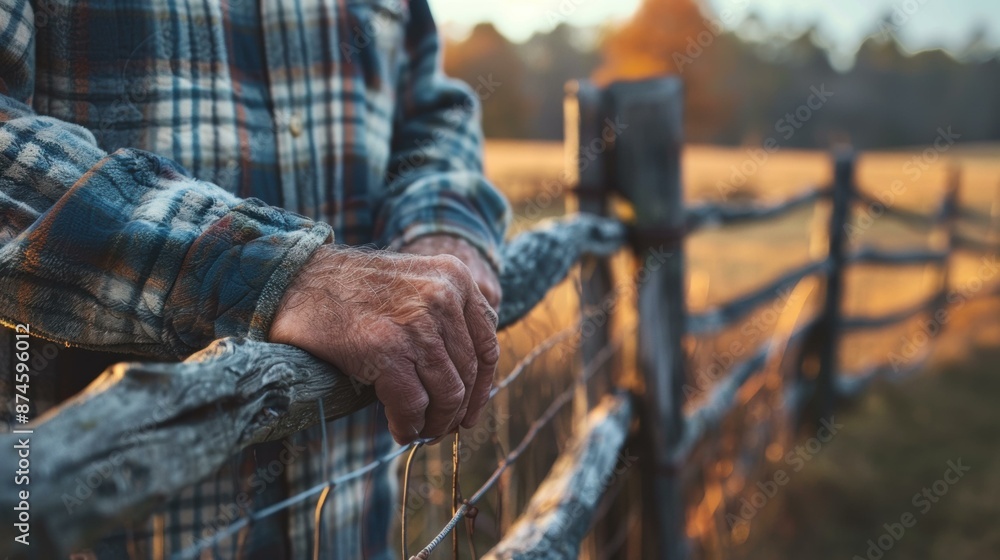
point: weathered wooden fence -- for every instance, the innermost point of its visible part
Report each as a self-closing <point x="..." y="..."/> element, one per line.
<point x="642" y="167"/>
<point x="237" y="393"/>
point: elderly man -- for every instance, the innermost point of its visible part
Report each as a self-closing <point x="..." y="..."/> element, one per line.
<point x="175" y="172"/>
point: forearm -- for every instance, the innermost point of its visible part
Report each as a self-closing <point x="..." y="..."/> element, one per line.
<point x="125" y="252"/>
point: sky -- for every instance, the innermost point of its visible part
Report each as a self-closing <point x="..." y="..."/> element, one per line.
<point x="920" y="24"/>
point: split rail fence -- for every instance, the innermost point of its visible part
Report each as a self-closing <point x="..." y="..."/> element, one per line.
<point x="642" y="167"/>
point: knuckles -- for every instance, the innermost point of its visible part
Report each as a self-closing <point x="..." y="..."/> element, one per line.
<point x="444" y="296"/>
<point x="450" y="264"/>
<point x="491" y="355"/>
<point x="454" y="269"/>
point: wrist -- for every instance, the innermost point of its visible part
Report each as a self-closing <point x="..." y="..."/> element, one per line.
<point x="299" y="299"/>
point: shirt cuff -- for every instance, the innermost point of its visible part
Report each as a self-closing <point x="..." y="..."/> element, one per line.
<point x="300" y="247"/>
<point x="236" y="273"/>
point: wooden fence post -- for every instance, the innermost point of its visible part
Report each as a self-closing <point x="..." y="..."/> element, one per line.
<point x="942" y="238"/>
<point x="647" y="118"/>
<point x="843" y="195"/>
<point x="586" y="169"/>
<point x="993" y="236"/>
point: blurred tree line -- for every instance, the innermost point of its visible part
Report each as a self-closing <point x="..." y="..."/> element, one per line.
<point x="739" y="90"/>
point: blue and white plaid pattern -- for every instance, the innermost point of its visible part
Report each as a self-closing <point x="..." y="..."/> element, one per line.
<point x="146" y="147"/>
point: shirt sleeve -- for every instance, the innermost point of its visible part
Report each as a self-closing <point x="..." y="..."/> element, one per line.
<point x="436" y="182"/>
<point x="125" y="251"/>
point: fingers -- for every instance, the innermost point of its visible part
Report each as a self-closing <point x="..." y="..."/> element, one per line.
<point x="462" y="352"/>
<point x="447" y="360"/>
<point x="435" y="336"/>
<point x="462" y="359"/>
<point x="481" y="320"/>
<point x="405" y="401"/>
<point x="445" y="389"/>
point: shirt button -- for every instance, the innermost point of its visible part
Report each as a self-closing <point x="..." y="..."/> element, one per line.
<point x="295" y="125"/>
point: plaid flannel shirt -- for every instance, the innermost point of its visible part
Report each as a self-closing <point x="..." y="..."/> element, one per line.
<point x="166" y="167"/>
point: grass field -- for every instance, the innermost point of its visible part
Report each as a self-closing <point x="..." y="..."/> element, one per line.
<point x="899" y="436"/>
<point x="897" y="441"/>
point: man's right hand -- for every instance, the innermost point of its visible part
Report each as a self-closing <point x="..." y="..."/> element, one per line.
<point x="415" y="327"/>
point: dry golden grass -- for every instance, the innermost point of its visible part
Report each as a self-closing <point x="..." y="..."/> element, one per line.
<point x="722" y="264"/>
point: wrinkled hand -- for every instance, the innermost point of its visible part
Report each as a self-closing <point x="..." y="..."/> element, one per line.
<point x="416" y="327"/>
<point x="481" y="270"/>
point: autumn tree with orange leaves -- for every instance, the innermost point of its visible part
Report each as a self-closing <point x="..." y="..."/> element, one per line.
<point x="675" y="37"/>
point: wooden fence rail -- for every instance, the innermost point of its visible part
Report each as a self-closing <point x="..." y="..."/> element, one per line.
<point x="869" y="255"/>
<point x="716" y="215"/>
<point x="917" y="220"/>
<point x="718" y="318"/>
<point x="561" y="511"/>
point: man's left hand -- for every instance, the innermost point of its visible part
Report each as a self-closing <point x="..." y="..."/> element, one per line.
<point x="482" y="272"/>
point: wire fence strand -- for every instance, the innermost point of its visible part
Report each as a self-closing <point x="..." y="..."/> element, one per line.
<point x="557" y="404"/>
<point x="325" y="488"/>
